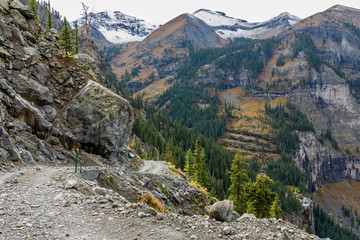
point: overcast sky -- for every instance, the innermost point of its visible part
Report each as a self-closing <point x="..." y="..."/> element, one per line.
<point x="161" y="11"/>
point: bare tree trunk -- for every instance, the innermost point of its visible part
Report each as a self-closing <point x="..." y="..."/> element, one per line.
<point x="87" y="29"/>
<point x="87" y="23"/>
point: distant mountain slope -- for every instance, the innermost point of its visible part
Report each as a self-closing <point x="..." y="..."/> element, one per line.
<point x="229" y="27"/>
<point x="186" y="27"/>
<point x="342" y="200"/>
<point x="157" y="57"/>
<point x="118" y="27"/>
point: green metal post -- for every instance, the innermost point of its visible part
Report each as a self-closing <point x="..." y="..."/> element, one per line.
<point x="106" y="157"/>
<point x="76" y="160"/>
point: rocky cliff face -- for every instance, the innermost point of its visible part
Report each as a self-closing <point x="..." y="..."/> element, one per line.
<point x="49" y="104"/>
<point x="213" y="77"/>
<point x="323" y="164"/>
<point x="337" y="40"/>
<point x="329" y="104"/>
<point x="327" y="101"/>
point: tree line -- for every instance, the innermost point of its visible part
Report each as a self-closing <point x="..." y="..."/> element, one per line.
<point x="250" y="53"/>
<point x="194" y="107"/>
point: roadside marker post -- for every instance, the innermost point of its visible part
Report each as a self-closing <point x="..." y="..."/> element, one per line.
<point x="76" y="160"/>
<point x="106" y="157"/>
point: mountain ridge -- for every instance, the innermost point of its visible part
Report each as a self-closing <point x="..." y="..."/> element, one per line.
<point x="118" y="27"/>
<point x="230" y="27"/>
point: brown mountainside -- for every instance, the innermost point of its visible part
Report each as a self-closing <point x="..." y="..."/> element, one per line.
<point x="157" y="56"/>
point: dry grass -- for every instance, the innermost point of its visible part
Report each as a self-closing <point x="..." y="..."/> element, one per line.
<point x="154" y="89"/>
<point x="198" y="187"/>
<point x="232" y="95"/>
<point x="247" y="129"/>
<point x="151" y="200"/>
<point x="175" y="171"/>
<point x="332" y="197"/>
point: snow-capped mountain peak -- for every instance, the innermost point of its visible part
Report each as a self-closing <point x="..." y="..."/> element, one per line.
<point x="285" y="16"/>
<point x="118" y="27"/>
<point x="230" y="27"/>
<point x="217" y="18"/>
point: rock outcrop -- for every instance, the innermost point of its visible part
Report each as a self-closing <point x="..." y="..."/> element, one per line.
<point x="152" y="178"/>
<point x="328" y="103"/>
<point x="100" y="119"/>
<point x="50" y="104"/>
<point x="323" y="164"/>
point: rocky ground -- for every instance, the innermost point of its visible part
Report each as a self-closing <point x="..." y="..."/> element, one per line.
<point x="42" y="202"/>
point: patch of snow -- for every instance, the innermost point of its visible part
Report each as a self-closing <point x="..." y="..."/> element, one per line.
<point x="215" y="19"/>
<point x="292" y="22"/>
<point x="241" y="33"/>
<point x="230" y="27"/>
<point x="120" y="35"/>
<point x="118" y="27"/>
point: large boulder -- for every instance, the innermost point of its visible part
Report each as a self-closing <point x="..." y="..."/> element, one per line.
<point x="223" y="211"/>
<point x="99" y="118"/>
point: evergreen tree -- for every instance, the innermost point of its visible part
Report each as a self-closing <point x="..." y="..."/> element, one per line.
<point x="49" y="22"/>
<point x="76" y="40"/>
<point x="239" y="178"/>
<point x="168" y="154"/>
<point x="189" y="165"/>
<point x="65" y="38"/>
<point x="201" y="172"/>
<point x="197" y="152"/>
<point x="259" y="196"/>
<point x="32" y="5"/>
<point x="275" y="209"/>
<point x="213" y="192"/>
<point x="196" y="157"/>
<point x="200" y="164"/>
